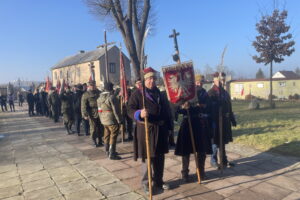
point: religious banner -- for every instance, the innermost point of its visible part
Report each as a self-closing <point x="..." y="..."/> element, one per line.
<point x="179" y="80"/>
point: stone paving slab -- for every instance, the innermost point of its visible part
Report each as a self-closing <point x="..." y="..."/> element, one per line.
<point x="88" y="194"/>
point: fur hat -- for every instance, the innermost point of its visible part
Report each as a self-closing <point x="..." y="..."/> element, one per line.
<point x="149" y="72"/>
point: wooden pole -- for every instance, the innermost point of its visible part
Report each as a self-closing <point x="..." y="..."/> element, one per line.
<point x="106" y="58"/>
<point x="221" y="152"/>
<point x="194" y="146"/>
<point x="123" y="121"/>
<point x="146" y="118"/>
<point x="174" y="35"/>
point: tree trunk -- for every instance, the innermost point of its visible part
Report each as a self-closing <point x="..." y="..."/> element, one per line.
<point x="271" y="85"/>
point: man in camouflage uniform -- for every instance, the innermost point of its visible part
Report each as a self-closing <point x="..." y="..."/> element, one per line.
<point x="67" y="108"/>
<point x="53" y="100"/>
<point x="110" y="116"/>
<point x="89" y="111"/>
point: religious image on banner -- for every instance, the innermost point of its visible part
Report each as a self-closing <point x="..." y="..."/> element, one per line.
<point x="179" y="80"/>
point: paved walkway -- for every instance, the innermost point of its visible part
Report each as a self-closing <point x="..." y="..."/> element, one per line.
<point x="39" y="161"/>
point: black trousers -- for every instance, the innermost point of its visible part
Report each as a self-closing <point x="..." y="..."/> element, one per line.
<point x="4" y="107"/>
<point x="12" y="106"/>
<point x="86" y="126"/>
<point x="30" y="109"/>
<point x="78" y="120"/>
<point x="157" y="165"/>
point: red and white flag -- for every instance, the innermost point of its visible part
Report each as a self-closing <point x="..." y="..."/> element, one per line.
<point x="123" y="82"/>
<point x="58" y="85"/>
<point x="242" y="92"/>
<point x="48" y="84"/>
<point x="179" y="80"/>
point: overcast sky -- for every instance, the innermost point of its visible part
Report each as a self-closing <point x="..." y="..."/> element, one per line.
<point x="35" y="34"/>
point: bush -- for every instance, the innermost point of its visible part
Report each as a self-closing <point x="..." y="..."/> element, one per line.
<point x="294" y="97"/>
<point x="273" y="97"/>
<point x="248" y="97"/>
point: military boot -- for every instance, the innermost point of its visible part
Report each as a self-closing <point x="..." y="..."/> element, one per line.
<point x="95" y="143"/>
<point x="112" y="152"/>
<point x="185" y="177"/>
<point x="67" y="129"/>
<point x="202" y="158"/>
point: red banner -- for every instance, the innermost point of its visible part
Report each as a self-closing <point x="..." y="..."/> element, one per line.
<point x="179" y="80"/>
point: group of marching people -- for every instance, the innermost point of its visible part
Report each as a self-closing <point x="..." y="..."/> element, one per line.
<point x="203" y="114"/>
<point x="83" y="104"/>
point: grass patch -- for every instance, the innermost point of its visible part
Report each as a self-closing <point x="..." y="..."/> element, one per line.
<point x="275" y="130"/>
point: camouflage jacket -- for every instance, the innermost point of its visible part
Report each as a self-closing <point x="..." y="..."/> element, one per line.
<point x="89" y="106"/>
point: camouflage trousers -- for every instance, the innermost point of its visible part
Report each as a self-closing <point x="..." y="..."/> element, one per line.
<point x="96" y="128"/>
<point x="68" y="119"/>
<point x="111" y="134"/>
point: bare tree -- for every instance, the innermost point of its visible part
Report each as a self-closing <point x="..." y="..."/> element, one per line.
<point x="273" y="42"/>
<point x="131" y="18"/>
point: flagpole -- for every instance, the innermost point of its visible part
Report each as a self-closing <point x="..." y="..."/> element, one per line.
<point x="177" y="59"/>
<point x="146" y="117"/>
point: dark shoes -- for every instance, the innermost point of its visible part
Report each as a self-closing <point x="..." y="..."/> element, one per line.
<point x="112" y="153"/>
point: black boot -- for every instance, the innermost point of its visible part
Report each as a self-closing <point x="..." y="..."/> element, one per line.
<point x="68" y="131"/>
<point x="100" y="143"/>
<point x="112" y="152"/>
<point x="202" y="158"/>
<point x="185" y="177"/>
<point x="95" y="143"/>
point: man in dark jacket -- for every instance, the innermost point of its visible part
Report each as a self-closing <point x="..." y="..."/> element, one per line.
<point x="44" y="102"/>
<point x="159" y="126"/>
<point x="3" y="103"/>
<point x="67" y="109"/>
<point x="30" y="101"/>
<point x="77" y="107"/>
<point x="37" y="102"/>
<point x="110" y="117"/>
<point x="220" y="103"/>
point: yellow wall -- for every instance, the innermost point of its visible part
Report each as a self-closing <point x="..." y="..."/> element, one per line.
<point x="79" y="73"/>
<point x="281" y="88"/>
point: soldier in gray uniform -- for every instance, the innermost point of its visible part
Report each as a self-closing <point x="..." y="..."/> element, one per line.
<point x="89" y="111"/>
<point x="110" y="117"/>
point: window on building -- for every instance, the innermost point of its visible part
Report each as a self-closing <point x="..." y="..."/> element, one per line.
<point x="294" y="83"/>
<point x="55" y="75"/>
<point x="60" y="74"/>
<point x="112" y="67"/>
<point x="260" y="85"/>
<point x="281" y="84"/>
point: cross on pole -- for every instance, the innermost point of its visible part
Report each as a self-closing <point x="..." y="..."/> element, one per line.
<point x="105" y="45"/>
<point x="176" y="57"/>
